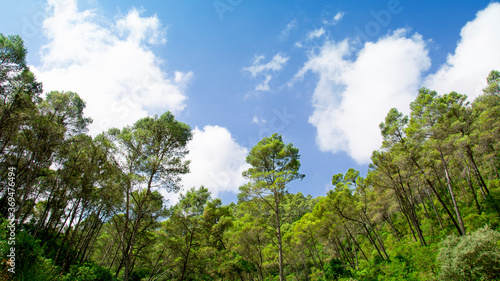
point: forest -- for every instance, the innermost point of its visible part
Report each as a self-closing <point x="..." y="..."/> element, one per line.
<point x="77" y="207"/>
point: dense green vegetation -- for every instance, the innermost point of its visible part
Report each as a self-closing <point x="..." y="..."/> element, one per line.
<point x="89" y="208"/>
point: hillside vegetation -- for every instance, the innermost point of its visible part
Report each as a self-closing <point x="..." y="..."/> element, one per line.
<point x="76" y="207"/>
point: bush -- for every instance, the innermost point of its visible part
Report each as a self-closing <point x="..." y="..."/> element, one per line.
<point x="475" y="256"/>
<point x="334" y="270"/>
<point x="30" y="261"/>
<point x="397" y="269"/>
<point x="88" y="272"/>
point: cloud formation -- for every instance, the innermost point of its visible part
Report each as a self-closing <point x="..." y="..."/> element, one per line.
<point x="336" y="19"/>
<point x="217" y="161"/>
<point x="476" y="54"/>
<point x="316" y="33"/>
<point x="356" y="90"/>
<point x="109" y="65"/>
<point x="264" y="86"/>
<point x="259" y="68"/>
<point x="257" y="120"/>
<point x="357" y="87"/>
<point x="289" y="27"/>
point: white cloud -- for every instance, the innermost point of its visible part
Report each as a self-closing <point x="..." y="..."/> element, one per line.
<point x="275" y="64"/>
<point x="338" y="16"/>
<point x="316" y="33"/>
<point x="264" y="86"/>
<point x="258" y="68"/>
<point x="289" y="27"/>
<point x="109" y="66"/>
<point x="217" y="161"/>
<point x="336" y="19"/>
<point x="352" y="97"/>
<point x="477" y="53"/>
<point x="256" y="120"/>
<point x="140" y="29"/>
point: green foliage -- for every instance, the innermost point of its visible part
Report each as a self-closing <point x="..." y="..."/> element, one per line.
<point x="29" y="253"/>
<point x="66" y="109"/>
<point x="274" y="164"/>
<point x="493" y="83"/>
<point x="475" y="256"/>
<point x="30" y="263"/>
<point x="88" y="272"/>
<point x="334" y="270"/>
<point x="398" y="268"/>
<point x="491" y="205"/>
<point x="419" y="260"/>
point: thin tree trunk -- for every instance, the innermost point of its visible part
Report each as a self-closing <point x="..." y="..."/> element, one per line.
<point x="388" y="219"/>
<point x="422" y="200"/>
<point x="479" y="177"/>
<point x="356" y="242"/>
<point x="431" y="185"/>
<point x="452" y="194"/>
<point x="431" y="203"/>
<point x="471" y="186"/>
<point x="278" y="229"/>
<point x="65" y="239"/>
<point x="188" y="250"/>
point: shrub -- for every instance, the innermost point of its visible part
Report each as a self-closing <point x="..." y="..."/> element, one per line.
<point x="475" y="256"/>
<point x="335" y="270"/>
<point x="88" y="272"/>
<point x="30" y="261"/>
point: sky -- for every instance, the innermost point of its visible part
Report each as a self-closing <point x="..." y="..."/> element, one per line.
<point x="323" y="74"/>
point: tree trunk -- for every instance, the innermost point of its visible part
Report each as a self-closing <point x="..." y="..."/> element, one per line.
<point x="479" y="177"/>
<point x="188" y="250"/>
<point x="278" y="230"/>
<point x="431" y="185"/>
<point x="471" y="186"/>
<point x="452" y="194"/>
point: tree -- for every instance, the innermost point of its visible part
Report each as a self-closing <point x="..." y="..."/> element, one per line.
<point x="350" y="201"/>
<point x="274" y="165"/>
<point x="150" y="155"/>
<point x="19" y="95"/>
<point x="402" y="159"/>
<point x="193" y="244"/>
<point x="183" y="234"/>
<point x="487" y="109"/>
<point x="57" y="119"/>
<point x="250" y="235"/>
<point x="433" y="118"/>
<point x="19" y="90"/>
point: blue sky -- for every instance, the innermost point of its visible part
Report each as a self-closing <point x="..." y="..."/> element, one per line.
<point x="321" y="73"/>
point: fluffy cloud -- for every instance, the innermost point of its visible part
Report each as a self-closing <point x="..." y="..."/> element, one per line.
<point x="217" y="161"/>
<point x="477" y="53"/>
<point x="109" y="65"/>
<point x="259" y="68"/>
<point x="353" y="96"/>
<point x="356" y="88"/>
